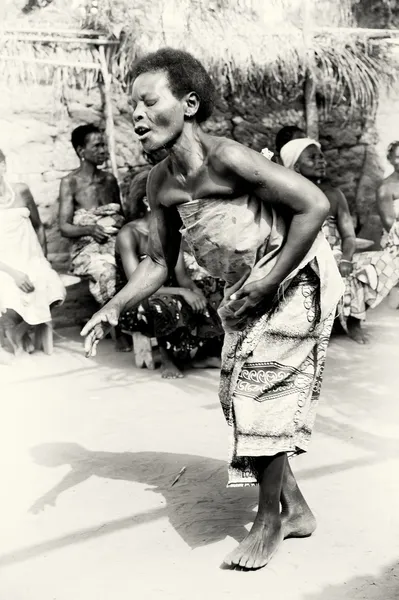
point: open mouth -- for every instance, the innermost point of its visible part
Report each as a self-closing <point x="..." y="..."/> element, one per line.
<point x="141" y="131"/>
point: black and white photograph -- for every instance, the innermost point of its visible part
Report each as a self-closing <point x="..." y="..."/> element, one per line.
<point x="199" y="299"/>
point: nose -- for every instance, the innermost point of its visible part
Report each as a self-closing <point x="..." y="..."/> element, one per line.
<point x="138" y="113"/>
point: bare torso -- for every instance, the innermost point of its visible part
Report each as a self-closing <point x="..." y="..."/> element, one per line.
<point x="209" y="180"/>
<point x="91" y="191"/>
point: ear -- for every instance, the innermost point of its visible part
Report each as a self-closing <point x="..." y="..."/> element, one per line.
<point x="80" y="151"/>
<point x="192" y="105"/>
<point x="297" y="169"/>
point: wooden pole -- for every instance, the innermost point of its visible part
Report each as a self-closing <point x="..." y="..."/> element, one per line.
<point x="109" y="119"/>
<point x="311" y="112"/>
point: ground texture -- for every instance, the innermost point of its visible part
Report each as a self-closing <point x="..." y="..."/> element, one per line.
<point x="90" y="449"/>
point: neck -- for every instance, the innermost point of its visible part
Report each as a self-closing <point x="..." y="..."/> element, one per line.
<point x="187" y="153"/>
<point x="87" y="168"/>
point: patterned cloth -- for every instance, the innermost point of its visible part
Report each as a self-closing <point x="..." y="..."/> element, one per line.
<point x="271" y="378"/>
<point x="94" y="260"/>
<point x="374" y="274"/>
<point x="271" y="365"/>
<point x="20" y="249"/>
<point x="172" y="321"/>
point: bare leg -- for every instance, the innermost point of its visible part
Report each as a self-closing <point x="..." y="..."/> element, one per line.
<point x="296" y="517"/>
<point x="266" y="535"/>
<point x="355" y="331"/>
<point x="168" y="367"/>
<point x="16" y="335"/>
<point x="123" y="343"/>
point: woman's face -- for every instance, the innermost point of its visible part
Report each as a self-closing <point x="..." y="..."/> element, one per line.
<point x="394" y="158"/>
<point x="3" y="168"/>
<point x="158" y="116"/>
<point x="311" y="163"/>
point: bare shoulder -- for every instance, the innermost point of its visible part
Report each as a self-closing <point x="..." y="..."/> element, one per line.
<point x="110" y="177"/>
<point x="334" y="194"/>
<point x="69" y="180"/>
<point x="388" y="186"/>
<point x="224" y="153"/>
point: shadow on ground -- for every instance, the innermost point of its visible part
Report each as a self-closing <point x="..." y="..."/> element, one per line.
<point x="199" y="506"/>
<point x="364" y="587"/>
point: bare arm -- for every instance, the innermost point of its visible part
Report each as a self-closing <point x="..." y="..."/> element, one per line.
<point x="385" y="200"/>
<point x="345" y="227"/>
<point x="34" y="217"/>
<point x="183" y="278"/>
<point x="306" y="206"/>
<point x="127" y="246"/>
<point x="66" y="213"/>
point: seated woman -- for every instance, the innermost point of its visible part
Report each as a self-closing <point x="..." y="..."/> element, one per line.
<point x="369" y="276"/>
<point x="182" y="315"/>
<point x="388" y="201"/>
<point x="28" y="284"/>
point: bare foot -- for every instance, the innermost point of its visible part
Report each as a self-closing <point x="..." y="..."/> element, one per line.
<point x="355" y="331"/>
<point x="170" y="371"/>
<point x="299" y="522"/>
<point x="258" y="547"/>
<point x="123" y="343"/>
<point x="210" y="362"/>
<point x="27" y="344"/>
<point x="168" y="368"/>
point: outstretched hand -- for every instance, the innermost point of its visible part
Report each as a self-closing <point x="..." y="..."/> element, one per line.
<point x="257" y="297"/>
<point x="99" y="325"/>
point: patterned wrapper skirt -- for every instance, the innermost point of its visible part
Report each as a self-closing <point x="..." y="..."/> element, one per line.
<point x="271" y="377"/>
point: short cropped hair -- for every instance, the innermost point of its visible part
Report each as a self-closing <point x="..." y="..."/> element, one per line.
<point x="2" y="157"/>
<point x="185" y="73"/>
<point x="285" y="135"/>
<point x="391" y="149"/>
<point x="80" y="134"/>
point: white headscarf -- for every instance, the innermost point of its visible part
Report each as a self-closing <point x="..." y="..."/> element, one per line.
<point x="291" y="151"/>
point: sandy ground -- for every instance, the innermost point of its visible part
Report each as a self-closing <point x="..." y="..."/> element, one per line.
<point x="90" y="449"/>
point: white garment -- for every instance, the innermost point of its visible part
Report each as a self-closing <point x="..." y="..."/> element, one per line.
<point x="20" y="249"/>
<point x="291" y="151"/>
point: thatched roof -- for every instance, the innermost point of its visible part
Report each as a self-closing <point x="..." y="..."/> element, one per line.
<point x="268" y="45"/>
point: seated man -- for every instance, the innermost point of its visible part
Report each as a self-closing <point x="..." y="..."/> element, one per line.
<point x="28" y="284"/>
<point x="90" y="213"/>
<point x="368" y="276"/>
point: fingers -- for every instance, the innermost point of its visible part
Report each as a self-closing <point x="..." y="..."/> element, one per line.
<point x="239" y="295"/>
<point x="89" y="326"/>
<point x="244" y="308"/>
<point x="27" y="287"/>
<point x="91" y="343"/>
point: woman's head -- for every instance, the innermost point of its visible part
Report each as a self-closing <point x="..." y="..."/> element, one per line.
<point x="304" y="156"/>
<point x="287" y="134"/>
<point x="393" y="155"/>
<point x="170" y="88"/>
